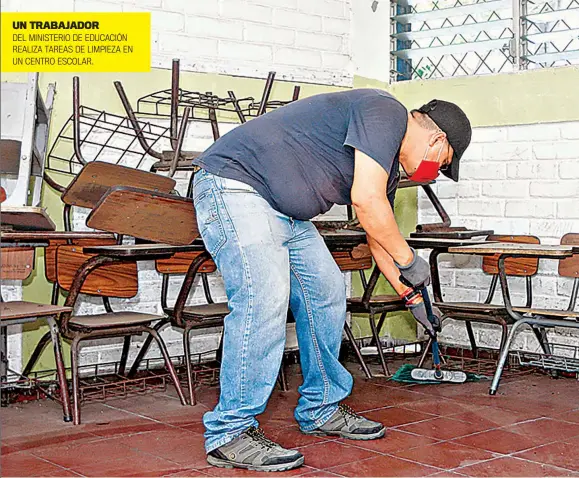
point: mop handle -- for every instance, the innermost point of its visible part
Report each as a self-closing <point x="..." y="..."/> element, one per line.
<point x="430" y="314"/>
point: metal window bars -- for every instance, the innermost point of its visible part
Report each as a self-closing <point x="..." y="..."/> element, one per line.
<point x="446" y="38"/>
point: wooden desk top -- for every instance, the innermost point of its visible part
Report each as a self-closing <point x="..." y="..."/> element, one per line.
<point x="142" y="250"/>
<point x="531" y="250"/>
<point x="27" y="218"/>
<point x="452" y="234"/>
<point x="19" y="236"/>
<point x="441" y="243"/>
<point x="19" y="309"/>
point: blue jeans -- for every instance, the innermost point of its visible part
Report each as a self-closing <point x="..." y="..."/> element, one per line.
<point x="269" y="262"/>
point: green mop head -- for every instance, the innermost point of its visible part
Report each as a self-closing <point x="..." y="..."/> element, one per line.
<point x="404" y="375"/>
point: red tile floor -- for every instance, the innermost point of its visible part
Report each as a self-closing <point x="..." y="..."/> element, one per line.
<point x="531" y="428"/>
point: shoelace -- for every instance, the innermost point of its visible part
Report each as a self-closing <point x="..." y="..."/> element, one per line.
<point x="259" y="436"/>
<point x="347" y="412"/>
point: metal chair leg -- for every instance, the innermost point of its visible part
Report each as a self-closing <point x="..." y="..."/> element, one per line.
<point x="124" y="355"/>
<point x="60" y="370"/>
<point x="471" y="338"/>
<point x="145" y="348"/>
<point x="379" y="345"/>
<point x="187" y="353"/>
<point x="541" y="335"/>
<point x="352" y="340"/>
<point x="74" y="352"/>
<point x="503" y="357"/>
<point x="425" y="353"/>
<point x="36" y="353"/>
<point x="282" y="377"/>
<point x="168" y="363"/>
<point x="504" y="335"/>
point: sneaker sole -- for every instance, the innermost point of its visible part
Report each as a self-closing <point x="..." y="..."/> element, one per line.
<point x="351" y="436"/>
<point x="231" y="464"/>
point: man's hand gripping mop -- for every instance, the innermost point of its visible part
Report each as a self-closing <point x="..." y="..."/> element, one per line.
<point x="424" y="315"/>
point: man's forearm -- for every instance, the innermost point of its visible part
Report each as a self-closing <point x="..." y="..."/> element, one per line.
<point x="386" y="265"/>
<point x="379" y="223"/>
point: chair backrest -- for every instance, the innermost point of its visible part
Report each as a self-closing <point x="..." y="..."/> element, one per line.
<point x="110" y="280"/>
<point x="97" y="177"/>
<point x="156" y="217"/>
<point x="180" y="262"/>
<point x="16" y="263"/>
<point x="514" y="266"/>
<point x="570" y="267"/>
<point x="359" y="258"/>
<point x="50" y="252"/>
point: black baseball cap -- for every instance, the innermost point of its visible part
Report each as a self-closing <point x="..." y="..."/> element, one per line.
<point x="454" y="122"/>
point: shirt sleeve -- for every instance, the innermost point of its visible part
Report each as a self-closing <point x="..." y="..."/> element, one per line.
<point x="376" y="127"/>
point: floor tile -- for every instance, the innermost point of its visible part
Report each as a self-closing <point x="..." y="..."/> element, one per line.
<point x="395" y="440"/>
<point x="330" y="454"/>
<point x="545" y="430"/>
<point x="321" y="473"/>
<point x="444" y="428"/>
<point x="572" y="416"/>
<point x="557" y="454"/>
<point x="498" y="441"/>
<point x="446" y="455"/>
<point x="495" y="417"/>
<point x="510" y="466"/>
<point x="396" y="416"/>
<point x="440" y="407"/>
<point x="173" y="444"/>
<point x="292" y="437"/>
<point x="373" y="396"/>
<point x="188" y="472"/>
<point x="450" y="474"/>
<point x="25" y="464"/>
<point x="384" y="466"/>
<point x="107" y="457"/>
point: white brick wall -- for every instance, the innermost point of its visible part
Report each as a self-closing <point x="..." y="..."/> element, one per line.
<point x="516" y="180"/>
<point x="302" y="40"/>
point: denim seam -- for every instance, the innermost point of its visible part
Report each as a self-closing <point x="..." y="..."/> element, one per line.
<point x="249" y="312"/>
<point x="320" y="421"/>
<point x="313" y="336"/>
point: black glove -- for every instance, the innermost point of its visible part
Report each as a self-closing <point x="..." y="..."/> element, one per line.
<point x="418" y="310"/>
<point x="416" y="274"/>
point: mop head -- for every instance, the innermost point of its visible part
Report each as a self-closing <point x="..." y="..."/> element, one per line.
<point x="409" y="373"/>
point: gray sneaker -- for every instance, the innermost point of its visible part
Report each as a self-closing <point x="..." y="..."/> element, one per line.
<point x="346" y="423"/>
<point x="253" y="451"/>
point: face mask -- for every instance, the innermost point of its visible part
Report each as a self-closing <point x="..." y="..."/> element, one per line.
<point x="427" y="170"/>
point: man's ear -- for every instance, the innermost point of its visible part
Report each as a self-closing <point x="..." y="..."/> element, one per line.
<point x="436" y="137"/>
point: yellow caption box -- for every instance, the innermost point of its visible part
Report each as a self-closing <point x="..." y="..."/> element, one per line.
<point x="76" y="42"/>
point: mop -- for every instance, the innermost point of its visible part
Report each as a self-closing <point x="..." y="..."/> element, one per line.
<point x="409" y="373"/>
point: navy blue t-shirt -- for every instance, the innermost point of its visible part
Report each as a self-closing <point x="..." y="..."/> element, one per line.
<point x="300" y="157"/>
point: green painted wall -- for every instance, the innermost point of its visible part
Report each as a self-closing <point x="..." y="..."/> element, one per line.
<point x="538" y="96"/>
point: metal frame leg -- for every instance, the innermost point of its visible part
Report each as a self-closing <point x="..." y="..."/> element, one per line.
<point x="503" y="357"/>
<point x="74" y="352"/>
<point x="187" y="354"/>
<point x="37" y="352"/>
<point x="352" y="340"/>
<point x="282" y="377"/>
<point x="124" y="355"/>
<point x="541" y="335"/>
<point x="378" y="345"/>
<point x="145" y="348"/>
<point x="60" y="370"/>
<point x="168" y="363"/>
<point x="471" y="338"/>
